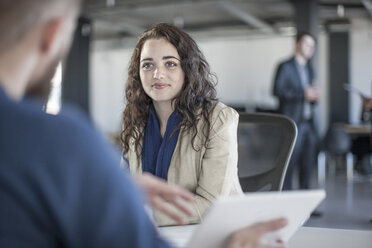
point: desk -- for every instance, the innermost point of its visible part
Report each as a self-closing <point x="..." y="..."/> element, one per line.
<point x="305" y="237"/>
<point x="361" y="146"/>
<point x="358" y="129"/>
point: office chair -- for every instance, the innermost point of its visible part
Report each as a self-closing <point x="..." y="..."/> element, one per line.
<point x="336" y="144"/>
<point x="265" y="145"/>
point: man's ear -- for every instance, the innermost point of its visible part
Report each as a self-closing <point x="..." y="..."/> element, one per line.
<point x="50" y="34"/>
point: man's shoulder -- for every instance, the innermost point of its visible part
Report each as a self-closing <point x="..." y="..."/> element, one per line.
<point x="71" y="119"/>
<point x="31" y="110"/>
<point x="67" y="142"/>
<point x="28" y="124"/>
<point x="69" y="123"/>
<point x="286" y="66"/>
<point x="287" y="62"/>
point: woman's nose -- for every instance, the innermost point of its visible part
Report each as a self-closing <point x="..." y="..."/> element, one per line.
<point x="158" y="73"/>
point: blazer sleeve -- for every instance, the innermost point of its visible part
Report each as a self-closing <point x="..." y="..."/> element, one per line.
<point x="284" y="86"/>
<point x="216" y="172"/>
<point x="219" y="170"/>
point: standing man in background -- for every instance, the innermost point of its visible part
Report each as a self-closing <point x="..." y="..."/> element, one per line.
<point x="293" y="86"/>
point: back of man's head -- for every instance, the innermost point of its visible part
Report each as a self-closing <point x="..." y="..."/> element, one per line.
<point x="17" y="17"/>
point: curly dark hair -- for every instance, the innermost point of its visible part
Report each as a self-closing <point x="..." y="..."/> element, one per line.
<point x="196" y="100"/>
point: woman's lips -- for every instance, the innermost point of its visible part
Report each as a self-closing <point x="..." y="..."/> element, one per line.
<point x="160" y="86"/>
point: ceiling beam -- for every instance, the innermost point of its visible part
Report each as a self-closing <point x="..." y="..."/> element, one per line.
<point x="368" y="5"/>
<point x="117" y="24"/>
<point x="246" y="17"/>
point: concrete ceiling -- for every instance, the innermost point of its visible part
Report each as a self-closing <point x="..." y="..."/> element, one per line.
<point x="120" y="18"/>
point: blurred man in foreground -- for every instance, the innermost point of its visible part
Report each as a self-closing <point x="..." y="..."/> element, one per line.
<point x="60" y="184"/>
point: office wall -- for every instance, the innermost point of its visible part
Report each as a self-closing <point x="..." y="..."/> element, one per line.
<point x="108" y="71"/>
<point x="361" y="65"/>
<point x="245" y="68"/>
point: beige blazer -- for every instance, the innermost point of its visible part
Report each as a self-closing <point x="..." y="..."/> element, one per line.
<point x="208" y="173"/>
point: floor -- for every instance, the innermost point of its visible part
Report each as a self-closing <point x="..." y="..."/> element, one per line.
<point x="347" y="205"/>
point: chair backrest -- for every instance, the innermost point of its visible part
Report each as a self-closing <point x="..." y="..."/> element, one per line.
<point x="265" y="145"/>
<point x="336" y="140"/>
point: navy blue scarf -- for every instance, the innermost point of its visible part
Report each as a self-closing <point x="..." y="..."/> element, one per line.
<point x="156" y="151"/>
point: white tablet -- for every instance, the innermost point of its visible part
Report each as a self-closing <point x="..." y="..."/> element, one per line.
<point x="232" y="213"/>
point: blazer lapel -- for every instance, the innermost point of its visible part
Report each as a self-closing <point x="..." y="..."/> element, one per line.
<point x="297" y="78"/>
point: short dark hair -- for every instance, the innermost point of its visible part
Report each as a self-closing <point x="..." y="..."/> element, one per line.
<point x="301" y="34"/>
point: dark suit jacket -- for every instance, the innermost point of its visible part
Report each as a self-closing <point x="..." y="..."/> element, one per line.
<point x="288" y="88"/>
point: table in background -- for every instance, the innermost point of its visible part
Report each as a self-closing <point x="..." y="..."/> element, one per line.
<point x="305" y="237"/>
<point x="358" y="129"/>
<point x="361" y="146"/>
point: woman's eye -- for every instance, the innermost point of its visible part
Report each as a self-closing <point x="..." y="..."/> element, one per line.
<point x="147" y="66"/>
<point x="170" y="64"/>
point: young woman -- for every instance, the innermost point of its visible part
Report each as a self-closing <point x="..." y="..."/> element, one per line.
<point x="173" y="125"/>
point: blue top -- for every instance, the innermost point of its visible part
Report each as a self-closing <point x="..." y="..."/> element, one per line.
<point x="157" y="152"/>
<point x="61" y="184"/>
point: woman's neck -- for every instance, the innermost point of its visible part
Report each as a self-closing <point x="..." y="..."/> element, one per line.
<point x="163" y="111"/>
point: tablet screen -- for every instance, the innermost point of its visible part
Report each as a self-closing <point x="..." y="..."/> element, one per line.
<point x="229" y="214"/>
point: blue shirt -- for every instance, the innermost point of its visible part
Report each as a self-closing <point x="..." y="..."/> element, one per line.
<point x="61" y="184"/>
<point x="303" y="72"/>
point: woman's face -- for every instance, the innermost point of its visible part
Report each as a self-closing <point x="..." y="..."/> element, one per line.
<point x="161" y="73"/>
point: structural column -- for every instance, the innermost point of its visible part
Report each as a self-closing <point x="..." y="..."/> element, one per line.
<point x="338" y="36"/>
<point x="75" y="86"/>
<point x="306" y="17"/>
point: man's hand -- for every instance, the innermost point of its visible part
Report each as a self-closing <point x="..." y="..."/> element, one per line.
<point x="312" y="94"/>
<point x="159" y="193"/>
<point x="251" y="237"/>
<point x="367" y="103"/>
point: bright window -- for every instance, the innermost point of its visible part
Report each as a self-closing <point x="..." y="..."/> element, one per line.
<point x="54" y="101"/>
